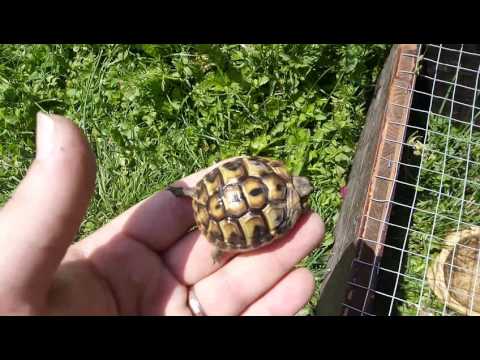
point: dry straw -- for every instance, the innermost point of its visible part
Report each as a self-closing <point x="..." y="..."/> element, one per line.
<point x="460" y="288"/>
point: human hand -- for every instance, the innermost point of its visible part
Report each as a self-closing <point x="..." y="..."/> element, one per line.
<point x="145" y="261"/>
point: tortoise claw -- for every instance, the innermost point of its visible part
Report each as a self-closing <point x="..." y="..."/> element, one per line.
<point x="217" y="256"/>
<point x="180" y="192"/>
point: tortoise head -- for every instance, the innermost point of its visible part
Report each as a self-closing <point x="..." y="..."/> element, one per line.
<point x="297" y="198"/>
<point x="302" y="185"/>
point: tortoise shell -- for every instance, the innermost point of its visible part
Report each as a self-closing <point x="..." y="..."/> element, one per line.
<point x="246" y="203"/>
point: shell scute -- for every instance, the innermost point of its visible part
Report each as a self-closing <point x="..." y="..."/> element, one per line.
<point x="213" y="181"/>
<point x="232" y="171"/>
<point x="255" y="192"/>
<point x="232" y="233"/>
<point x="255" y="229"/>
<point x="276" y="216"/>
<point x="277" y="188"/>
<point x="235" y="204"/>
<point x="215" y="207"/>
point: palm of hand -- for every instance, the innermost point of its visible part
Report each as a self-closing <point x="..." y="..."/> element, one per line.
<point x="143" y="262"/>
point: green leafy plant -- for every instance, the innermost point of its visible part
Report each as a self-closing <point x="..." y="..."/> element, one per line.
<point x="446" y="150"/>
<point x="155" y="113"/>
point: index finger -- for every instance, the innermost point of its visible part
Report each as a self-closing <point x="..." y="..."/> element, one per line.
<point x="157" y="221"/>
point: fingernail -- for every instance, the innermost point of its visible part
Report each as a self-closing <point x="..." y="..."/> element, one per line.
<point x="45" y="136"/>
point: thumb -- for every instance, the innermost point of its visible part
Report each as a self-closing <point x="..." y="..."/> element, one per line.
<point x="41" y="219"/>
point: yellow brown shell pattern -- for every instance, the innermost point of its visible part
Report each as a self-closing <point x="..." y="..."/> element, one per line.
<point x="245" y="203"/>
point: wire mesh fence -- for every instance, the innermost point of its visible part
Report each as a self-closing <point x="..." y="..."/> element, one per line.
<point x="429" y="263"/>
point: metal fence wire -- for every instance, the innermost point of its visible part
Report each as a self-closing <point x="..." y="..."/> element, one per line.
<point x="430" y="256"/>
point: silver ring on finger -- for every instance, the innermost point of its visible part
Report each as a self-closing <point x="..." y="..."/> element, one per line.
<point x="194" y="304"/>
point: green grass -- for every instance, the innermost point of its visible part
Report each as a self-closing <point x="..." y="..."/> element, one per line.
<point x="457" y="141"/>
<point x="154" y="114"/>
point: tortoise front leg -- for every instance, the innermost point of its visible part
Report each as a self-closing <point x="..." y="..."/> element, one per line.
<point x="181" y="192"/>
<point x="217" y="255"/>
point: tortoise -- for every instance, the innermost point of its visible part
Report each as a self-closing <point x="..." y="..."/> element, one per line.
<point x="460" y="289"/>
<point x="246" y="203"/>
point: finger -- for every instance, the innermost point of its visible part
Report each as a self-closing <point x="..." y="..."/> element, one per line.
<point x="157" y="221"/>
<point x="190" y="259"/>
<point x="137" y="277"/>
<point x="246" y="277"/>
<point x="41" y="219"/>
<point x="287" y="297"/>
